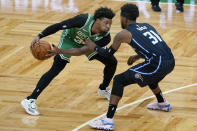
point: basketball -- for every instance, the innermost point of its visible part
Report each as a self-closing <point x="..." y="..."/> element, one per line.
<point x="39" y="51"/>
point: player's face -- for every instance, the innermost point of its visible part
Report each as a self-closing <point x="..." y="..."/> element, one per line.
<point x="123" y="22"/>
<point x="105" y="24"/>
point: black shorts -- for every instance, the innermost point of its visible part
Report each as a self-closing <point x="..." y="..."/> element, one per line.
<point x="150" y="72"/>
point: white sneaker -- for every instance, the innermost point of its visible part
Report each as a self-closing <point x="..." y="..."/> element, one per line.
<point x="30" y="106"/>
<point x="163" y="106"/>
<point x="102" y="124"/>
<point x="104" y="93"/>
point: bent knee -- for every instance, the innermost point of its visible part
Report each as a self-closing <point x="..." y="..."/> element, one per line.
<point x="112" y="61"/>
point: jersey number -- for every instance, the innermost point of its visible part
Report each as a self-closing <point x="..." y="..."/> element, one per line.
<point x="154" y="37"/>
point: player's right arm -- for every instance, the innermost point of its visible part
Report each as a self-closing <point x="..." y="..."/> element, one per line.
<point x="72" y="52"/>
<point x="77" y="21"/>
<point x="123" y="36"/>
<point x="87" y="48"/>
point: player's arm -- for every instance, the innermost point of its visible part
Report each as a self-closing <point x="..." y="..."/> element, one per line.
<point x="133" y="59"/>
<point x="87" y="48"/>
<point x="72" y="52"/>
<point x="122" y="37"/>
<point x="104" y="41"/>
<point x="77" y="21"/>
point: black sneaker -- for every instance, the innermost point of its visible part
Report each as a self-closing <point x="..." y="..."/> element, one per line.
<point x="156" y="8"/>
<point x="179" y="7"/>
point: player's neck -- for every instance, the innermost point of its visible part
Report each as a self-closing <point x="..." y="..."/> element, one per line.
<point x="131" y="22"/>
<point x="94" y="29"/>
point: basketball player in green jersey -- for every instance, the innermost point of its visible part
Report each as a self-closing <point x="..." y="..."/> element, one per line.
<point x="76" y="31"/>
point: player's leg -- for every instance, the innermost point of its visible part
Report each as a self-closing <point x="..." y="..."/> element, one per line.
<point x="143" y="74"/>
<point x="30" y="102"/>
<point x="57" y="67"/>
<point x="161" y="103"/>
<point x="108" y="73"/>
<point x="146" y="74"/>
<point x="59" y="63"/>
<point x="155" y="5"/>
<point x="179" y="5"/>
<point x="120" y="81"/>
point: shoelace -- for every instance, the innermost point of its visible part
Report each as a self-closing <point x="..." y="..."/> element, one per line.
<point x="108" y="91"/>
<point x="33" y="104"/>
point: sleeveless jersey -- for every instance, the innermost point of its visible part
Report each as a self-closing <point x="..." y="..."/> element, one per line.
<point x="148" y="43"/>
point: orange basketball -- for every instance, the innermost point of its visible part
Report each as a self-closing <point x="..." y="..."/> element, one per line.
<point x="40" y="50"/>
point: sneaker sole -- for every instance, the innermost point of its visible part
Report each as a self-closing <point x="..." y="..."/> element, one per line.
<point x="101" y="128"/>
<point x="160" y="109"/>
<point x="104" y="97"/>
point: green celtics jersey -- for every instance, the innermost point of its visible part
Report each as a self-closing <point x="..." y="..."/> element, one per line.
<point x="79" y="35"/>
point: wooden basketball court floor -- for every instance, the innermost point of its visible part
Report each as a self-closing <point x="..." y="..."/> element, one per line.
<point x="71" y="100"/>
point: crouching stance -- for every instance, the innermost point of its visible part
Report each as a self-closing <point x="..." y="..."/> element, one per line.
<point x="159" y="61"/>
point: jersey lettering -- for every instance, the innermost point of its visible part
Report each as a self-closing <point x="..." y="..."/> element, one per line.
<point x="141" y="28"/>
<point x="154" y="37"/>
<point x="80" y="37"/>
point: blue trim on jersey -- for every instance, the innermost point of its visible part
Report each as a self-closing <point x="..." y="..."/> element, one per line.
<point x="147" y="64"/>
<point x="144" y="64"/>
<point x="154" y="54"/>
<point x="144" y="55"/>
<point x="140" y="45"/>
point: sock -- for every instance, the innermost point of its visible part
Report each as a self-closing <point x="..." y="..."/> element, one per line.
<point x="30" y="97"/>
<point x="111" y="111"/>
<point x="102" y="87"/>
<point x="159" y="97"/>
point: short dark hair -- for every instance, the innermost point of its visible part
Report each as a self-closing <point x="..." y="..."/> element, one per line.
<point x="103" y="12"/>
<point x="130" y="11"/>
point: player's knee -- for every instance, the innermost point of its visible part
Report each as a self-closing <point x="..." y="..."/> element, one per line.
<point x="118" y="79"/>
<point x="153" y="86"/>
<point x="112" y="61"/>
<point x="57" y="67"/>
<point x="118" y="85"/>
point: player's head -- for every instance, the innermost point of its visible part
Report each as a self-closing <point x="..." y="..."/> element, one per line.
<point x="103" y="19"/>
<point x="129" y="12"/>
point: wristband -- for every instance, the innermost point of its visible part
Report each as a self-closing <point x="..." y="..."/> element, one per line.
<point x="40" y="35"/>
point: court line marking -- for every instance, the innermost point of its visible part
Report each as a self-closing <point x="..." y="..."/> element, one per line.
<point x="132" y="103"/>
